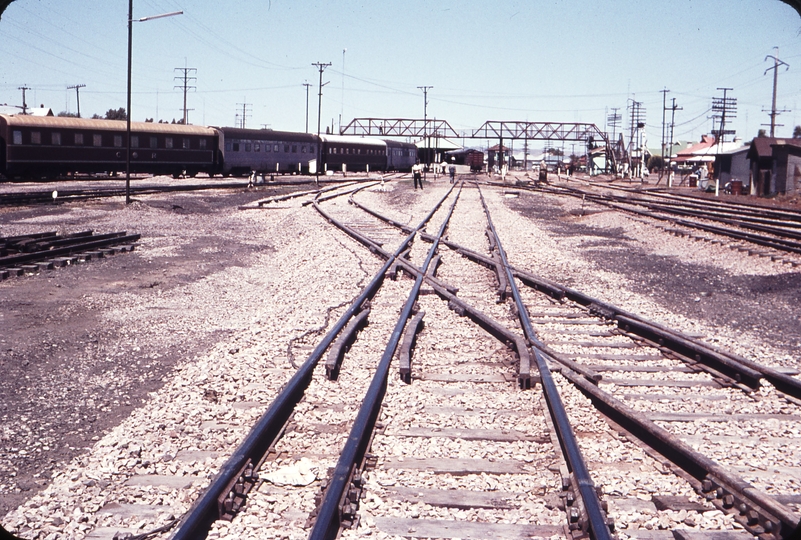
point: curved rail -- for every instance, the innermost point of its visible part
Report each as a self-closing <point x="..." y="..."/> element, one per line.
<point x="269" y="427"/>
<point x="599" y="528"/>
<point x="328" y="522"/>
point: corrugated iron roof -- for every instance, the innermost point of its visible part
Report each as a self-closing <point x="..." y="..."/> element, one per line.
<point x="102" y="125"/>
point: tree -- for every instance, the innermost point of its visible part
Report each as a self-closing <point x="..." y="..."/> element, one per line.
<point x="118" y="114"/>
<point x="655" y="163"/>
<point x="797" y="132"/>
<point x="68" y="114"/>
<point x="761" y="133"/>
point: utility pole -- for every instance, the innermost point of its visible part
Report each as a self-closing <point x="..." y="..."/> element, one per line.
<point x="724" y="106"/>
<point x="186" y="78"/>
<point x="673" y="109"/>
<point x="342" y="102"/>
<point x="664" y="137"/>
<point x="636" y="127"/>
<point x="425" y="90"/>
<point x="77" y="87"/>
<point x="321" y="67"/>
<point x="24" y="104"/>
<point x="246" y="110"/>
<point x="307" y="85"/>
<point x="773" y="112"/>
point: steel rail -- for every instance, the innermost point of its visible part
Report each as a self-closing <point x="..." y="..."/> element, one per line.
<point x="713" y="480"/>
<point x="736" y="367"/>
<point x="118" y="238"/>
<point x="657" y="438"/>
<point x="783" y="228"/>
<point x="328" y="522"/>
<point x="599" y="529"/>
<point x="739" y="207"/>
<point x="76" y="195"/>
<point x="205" y="511"/>
<point x="775" y="243"/>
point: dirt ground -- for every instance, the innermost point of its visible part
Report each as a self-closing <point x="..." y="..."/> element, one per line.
<point x="69" y="373"/>
<point x="762" y="304"/>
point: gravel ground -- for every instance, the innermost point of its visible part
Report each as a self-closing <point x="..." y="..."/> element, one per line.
<point x="136" y="358"/>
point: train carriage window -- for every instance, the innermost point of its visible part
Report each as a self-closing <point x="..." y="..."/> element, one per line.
<point x="286" y="149"/>
<point x="134" y="141"/>
<point x="229" y="146"/>
<point x="257" y="148"/>
<point x="55" y="138"/>
<point x="275" y="148"/>
<point x="333" y="150"/>
<point x="36" y="137"/>
<point x="78" y="139"/>
<point x="294" y="148"/>
<point x="17" y="137"/>
<point x="302" y="149"/>
<point x="118" y="141"/>
<point x="268" y="147"/>
<point x="97" y="139"/>
<point x="168" y="142"/>
<point x="202" y="144"/>
<point x="247" y="147"/>
<point x="236" y="147"/>
<point x="154" y="142"/>
<point x="186" y="144"/>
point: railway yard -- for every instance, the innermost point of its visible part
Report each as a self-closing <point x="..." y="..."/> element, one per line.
<point x="482" y="359"/>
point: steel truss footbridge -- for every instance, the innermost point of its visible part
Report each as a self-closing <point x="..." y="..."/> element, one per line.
<point x="491" y="129"/>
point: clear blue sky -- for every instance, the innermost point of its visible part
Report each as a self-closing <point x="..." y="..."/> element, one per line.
<point x="543" y="60"/>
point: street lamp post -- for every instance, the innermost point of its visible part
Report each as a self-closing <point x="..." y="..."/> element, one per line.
<point x="128" y="109"/>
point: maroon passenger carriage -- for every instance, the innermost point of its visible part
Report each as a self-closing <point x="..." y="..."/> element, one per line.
<point x="46" y="147"/>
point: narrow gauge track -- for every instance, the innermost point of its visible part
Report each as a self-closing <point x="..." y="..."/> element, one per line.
<point x="44" y="251"/>
<point x="680" y="394"/>
<point x="65" y="195"/>
<point x="349" y="484"/>
<point x="46" y="197"/>
<point x="347" y="478"/>
<point x="740" y="207"/>
<point x="461" y="367"/>
<point x="780" y="234"/>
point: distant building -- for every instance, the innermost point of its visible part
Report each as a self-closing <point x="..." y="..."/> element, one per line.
<point x="40" y="111"/>
<point x="775" y="166"/>
<point x="734" y="166"/>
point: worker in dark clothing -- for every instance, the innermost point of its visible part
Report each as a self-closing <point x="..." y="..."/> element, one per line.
<point x="452" y="171"/>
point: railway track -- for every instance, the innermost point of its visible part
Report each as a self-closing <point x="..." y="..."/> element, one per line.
<point x="460" y="433"/>
<point x="443" y="510"/>
<point x="34" y="253"/>
<point x="777" y="230"/>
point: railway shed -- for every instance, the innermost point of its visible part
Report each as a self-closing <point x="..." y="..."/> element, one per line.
<point x="775" y="166"/>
